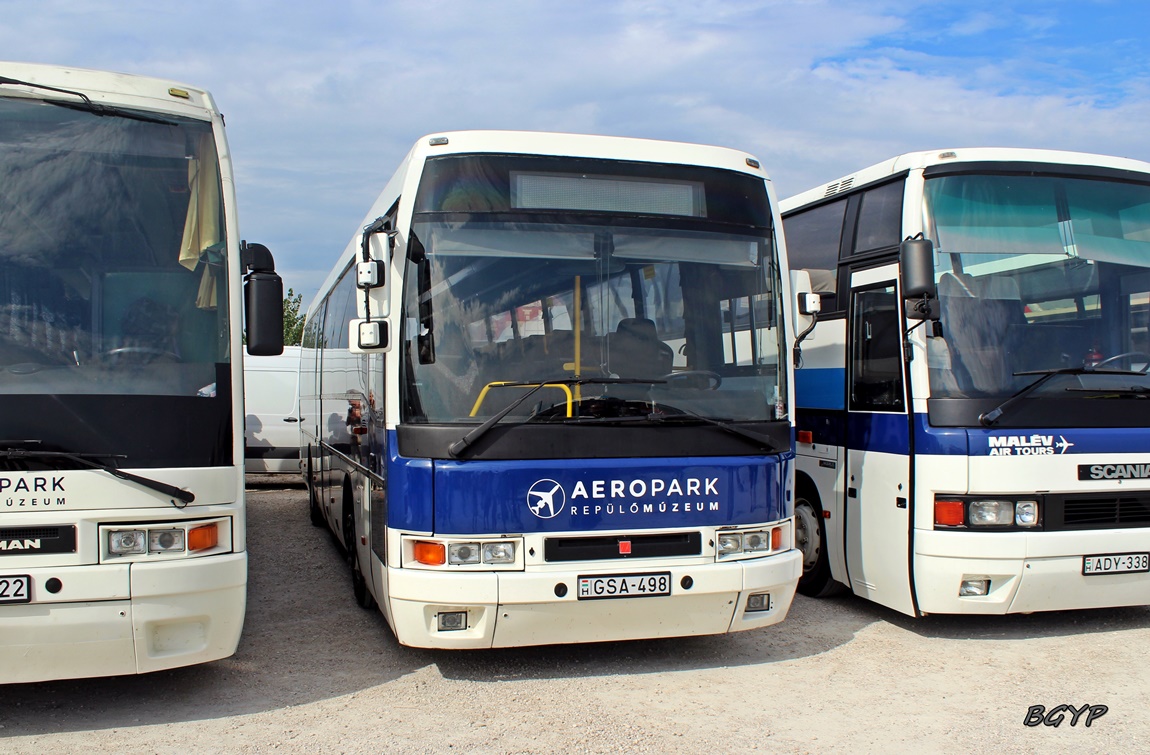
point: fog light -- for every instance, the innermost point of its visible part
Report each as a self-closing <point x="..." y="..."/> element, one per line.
<point x="165" y="540"/>
<point x="758" y="602"/>
<point x="463" y="553"/>
<point x="973" y="588"/>
<point x="452" y="621"/>
<point x="127" y="542"/>
<point x="730" y="543"/>
<point x="499" y="553"/>
<point x="1026" y="513"/>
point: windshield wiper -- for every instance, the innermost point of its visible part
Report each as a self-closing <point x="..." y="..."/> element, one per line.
<point x="986" y="419"/>
<point x="91" y="461"/>
<point x="86" y="104"/>
<point x="459" y="446"/>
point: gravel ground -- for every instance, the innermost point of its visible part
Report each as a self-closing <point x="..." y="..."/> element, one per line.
<point x="314" y="673"/>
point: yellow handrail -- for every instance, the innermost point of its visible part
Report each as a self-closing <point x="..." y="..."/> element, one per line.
<point x="503" y="383"/>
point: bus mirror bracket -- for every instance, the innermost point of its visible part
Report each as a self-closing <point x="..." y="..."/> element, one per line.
<point x="263" y="301"/>
<point x="370" y="331"/>
<point x="807" y="305"/>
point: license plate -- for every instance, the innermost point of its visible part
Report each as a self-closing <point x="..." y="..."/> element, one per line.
<point x="624" y="586"/>
<point x="16" y="589"/>
<point x="1116" y="563"/>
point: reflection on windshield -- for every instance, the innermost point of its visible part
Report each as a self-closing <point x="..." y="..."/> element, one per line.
<point x="111" y="253"/>
<point x="1038" y="273"/>
<point x="687" y="318"/>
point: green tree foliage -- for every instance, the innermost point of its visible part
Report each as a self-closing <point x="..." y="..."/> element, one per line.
<point x="293" y="318"/>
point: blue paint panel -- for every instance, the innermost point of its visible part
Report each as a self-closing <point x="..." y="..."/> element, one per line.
<point x="938" y="441"/>
<point x="608" y="494"/>
<point x="886" y="433"/>
<point x="823" y="388"/>
<point x="827" y="427"/>
<point x="409" y="491"/>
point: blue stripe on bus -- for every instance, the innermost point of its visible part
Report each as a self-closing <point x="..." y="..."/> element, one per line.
<point x="558" y="495"/>
<point x="888" y="433"/>
<point x="820" y="388"/>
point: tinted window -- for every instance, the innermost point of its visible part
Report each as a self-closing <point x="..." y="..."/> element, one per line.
<point x="813" y="239"/>
<point x="880" y="218"/>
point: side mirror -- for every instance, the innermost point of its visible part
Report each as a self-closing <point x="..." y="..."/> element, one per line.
<point x="263" y="301"/>
<point x="371" y="330"/>
<point x="807" y="308"/>
<point x="916" y="276"/>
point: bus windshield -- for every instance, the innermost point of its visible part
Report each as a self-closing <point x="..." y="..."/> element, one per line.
<point x="113" y="295"/>
<point x="629" y="288"/>
<point x="1038" y="273"/>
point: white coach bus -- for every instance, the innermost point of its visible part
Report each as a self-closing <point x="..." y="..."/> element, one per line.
<point x="121" y="459"/>
<point x="544" y="394"/>
<point x="973" y="406"/>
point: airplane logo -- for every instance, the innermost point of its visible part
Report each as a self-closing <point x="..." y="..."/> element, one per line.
<point x="546" y="498"/>
<point x="1063" y="444"/>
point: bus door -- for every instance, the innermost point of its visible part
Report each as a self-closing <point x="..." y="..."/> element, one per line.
<point x="877" y="513"/>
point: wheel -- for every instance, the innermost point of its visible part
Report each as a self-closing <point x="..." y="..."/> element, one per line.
<point x="1126" y="355"/>
<point x="312" y="499"/>
<point x="358" y="582"/>
<point x="810" y="539"/>
<point x="698" y="379"/>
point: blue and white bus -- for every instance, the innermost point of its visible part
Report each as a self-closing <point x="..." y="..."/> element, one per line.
<point x="973" y="406"/>
<point x="122" y="533"/>
<point x="544" y="394"/>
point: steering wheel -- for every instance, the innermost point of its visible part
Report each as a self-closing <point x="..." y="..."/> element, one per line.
<point x="1126" y="355"/>
<point x="696" y="378"/>
<point x="140" y="354"/>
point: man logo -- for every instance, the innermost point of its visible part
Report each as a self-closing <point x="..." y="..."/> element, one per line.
<point x="546" y="498"/>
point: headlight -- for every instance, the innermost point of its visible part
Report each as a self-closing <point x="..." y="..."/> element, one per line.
<point x="1026" y="513"/>
<point x="127" y="542"/>
<point x="991" y="513"/>
<point x="731" y="542"/>
<point x="463" y="553"/>
<point x="499" y="553"/>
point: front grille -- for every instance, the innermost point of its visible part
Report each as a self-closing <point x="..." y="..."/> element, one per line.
<point x="17" y="541"/>
<point x="617" y="547"/>
<point x="1096" y="512"/>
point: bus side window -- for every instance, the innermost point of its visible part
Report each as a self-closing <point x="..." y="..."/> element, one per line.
<point x="813" y="240"/>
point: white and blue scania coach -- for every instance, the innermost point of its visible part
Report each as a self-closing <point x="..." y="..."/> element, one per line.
<point x="544" y="394"/>
<point x="973" y="400"/>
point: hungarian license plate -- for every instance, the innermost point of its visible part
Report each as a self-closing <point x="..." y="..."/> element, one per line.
<point x="16" y="589"/>
<point x="1116" y="563"/>
<point x="624" y="586"/>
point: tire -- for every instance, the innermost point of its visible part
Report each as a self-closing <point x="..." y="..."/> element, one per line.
<point x="314" y="511"/>
<point x="810" y="539"/>
<point x="359" y="590"/>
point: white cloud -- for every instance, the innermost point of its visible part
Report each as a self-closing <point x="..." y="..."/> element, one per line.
<point x="323" y="100"/>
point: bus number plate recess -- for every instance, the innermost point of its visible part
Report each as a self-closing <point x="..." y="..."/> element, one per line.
<point x="1116" y="563"/>
<point x="624" y="586"/>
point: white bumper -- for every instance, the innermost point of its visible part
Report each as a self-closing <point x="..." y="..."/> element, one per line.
<point x="510" y="609"/>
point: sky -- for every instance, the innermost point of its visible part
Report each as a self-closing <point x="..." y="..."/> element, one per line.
<point x="322" y="100"/>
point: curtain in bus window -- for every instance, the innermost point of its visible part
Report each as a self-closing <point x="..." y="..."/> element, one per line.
<point x="203" y="229"/>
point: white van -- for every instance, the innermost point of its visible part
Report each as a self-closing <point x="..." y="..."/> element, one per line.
<point x="271" y="415"/>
